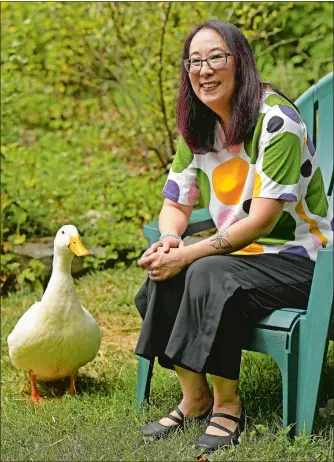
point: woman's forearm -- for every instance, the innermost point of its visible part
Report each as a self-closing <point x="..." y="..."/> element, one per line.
<point x="174" y="219"/>
<point x="262" y="218"/>
<point x="225" y="241"/>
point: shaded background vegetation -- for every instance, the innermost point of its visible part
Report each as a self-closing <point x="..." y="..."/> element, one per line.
<point x="88" y="110"/>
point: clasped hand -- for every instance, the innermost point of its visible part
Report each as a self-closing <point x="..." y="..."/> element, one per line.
<point x="164" y="259"/>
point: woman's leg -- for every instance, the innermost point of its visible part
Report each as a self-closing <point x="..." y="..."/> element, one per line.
<point x="225" y="294"/>
<point x="197" y="398"/>
<point x="226" y="400"/>
<point x="219" y="300"/>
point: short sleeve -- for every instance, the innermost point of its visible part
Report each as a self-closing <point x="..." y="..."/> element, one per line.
<point x="280" y="153"/>
<point x="181" y="185"/>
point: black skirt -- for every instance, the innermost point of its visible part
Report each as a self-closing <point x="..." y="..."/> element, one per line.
<point x="201" y="318"/>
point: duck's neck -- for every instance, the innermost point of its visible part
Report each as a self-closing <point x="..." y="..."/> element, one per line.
<point x="61" y="278"/>
<point x="62" y="263"/>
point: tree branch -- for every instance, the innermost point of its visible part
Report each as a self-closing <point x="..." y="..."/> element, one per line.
<point x="119" y="35"/>
<point x="158" y="153"/>
<point x="162" y="100"/>
<point x="286" y="41"/>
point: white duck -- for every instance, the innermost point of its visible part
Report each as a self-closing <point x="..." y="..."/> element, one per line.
<point x="56" y="336"/>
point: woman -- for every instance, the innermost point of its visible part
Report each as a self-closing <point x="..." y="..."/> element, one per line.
<point x="244" y="147"/>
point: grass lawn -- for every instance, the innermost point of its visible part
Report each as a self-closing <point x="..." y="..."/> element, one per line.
<point x="101" y="423"/>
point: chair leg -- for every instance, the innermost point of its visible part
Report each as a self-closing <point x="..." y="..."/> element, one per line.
<point x="288" y="364"/>
<point x="312" y="369"/>
<point x="289" y="389"/>
<point x="145" y="371"/>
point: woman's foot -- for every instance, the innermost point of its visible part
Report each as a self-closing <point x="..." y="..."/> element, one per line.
<point x="176" y="419"/>
<point x="190" y="410"/>
<point x="232" y="409"/>
<point x="225" y="426"/>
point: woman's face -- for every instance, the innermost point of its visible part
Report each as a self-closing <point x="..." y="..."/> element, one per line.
<point x="204" y="44"/>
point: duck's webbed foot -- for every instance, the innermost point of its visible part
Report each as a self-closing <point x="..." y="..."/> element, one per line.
<point x="35" y="396"/>
<point x="72" y="389"/>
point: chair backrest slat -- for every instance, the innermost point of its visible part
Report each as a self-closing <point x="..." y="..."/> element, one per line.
<point x="325" y="131"/>
<point x="316" y="108"/>
<point x="306" y="105"/>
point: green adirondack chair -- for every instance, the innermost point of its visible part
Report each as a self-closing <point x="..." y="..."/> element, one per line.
<point x="296" y="339"/>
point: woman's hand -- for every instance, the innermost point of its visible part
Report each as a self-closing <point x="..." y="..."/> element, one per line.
<point x="167" y="243"/>
<point x="163" y="265"/>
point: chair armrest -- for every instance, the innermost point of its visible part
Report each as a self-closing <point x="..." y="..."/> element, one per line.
<point x="200" y="220"/>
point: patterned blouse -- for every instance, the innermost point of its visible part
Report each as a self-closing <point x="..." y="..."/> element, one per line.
<point x="277" y="161"/>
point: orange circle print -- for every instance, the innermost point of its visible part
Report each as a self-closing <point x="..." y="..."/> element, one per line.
<point x="228" y="180"/>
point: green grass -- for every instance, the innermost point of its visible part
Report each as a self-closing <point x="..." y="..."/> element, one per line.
<point x="101" y="423"/>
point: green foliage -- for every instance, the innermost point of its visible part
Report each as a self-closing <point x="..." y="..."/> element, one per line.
<point x="32" y="273"/>
<point x="55" y="182"/>
<point x="68" y="64"/>
<point x="88" y="107"/>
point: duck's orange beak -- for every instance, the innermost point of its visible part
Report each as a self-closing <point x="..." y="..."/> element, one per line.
<point x="77" y="247"/>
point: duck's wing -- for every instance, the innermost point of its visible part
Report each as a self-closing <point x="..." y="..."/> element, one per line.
<point x="25" y="327"/>
<point x="92" y="326"/>
<point x="28" y="319"/>
<point x="88" y="316"/>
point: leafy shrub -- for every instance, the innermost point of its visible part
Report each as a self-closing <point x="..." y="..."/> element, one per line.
<point x="69" y="64"/>
<point x="56" y="183"/>
<point x="88" y="109"/>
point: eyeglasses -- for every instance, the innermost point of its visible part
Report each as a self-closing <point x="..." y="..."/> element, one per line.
<point x="215" y="62"/>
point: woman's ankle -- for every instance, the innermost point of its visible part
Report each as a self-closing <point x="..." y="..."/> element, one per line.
<point x="232" y="403"/>
<point x="196" y="406"/>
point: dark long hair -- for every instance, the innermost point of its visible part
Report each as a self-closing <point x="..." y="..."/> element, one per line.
<point x="195" y="121"/>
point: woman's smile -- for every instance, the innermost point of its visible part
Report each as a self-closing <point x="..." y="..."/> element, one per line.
<point x="209" y="86"/>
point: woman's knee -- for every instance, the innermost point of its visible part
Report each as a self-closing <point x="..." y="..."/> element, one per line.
<point x="203" y="277"/>
<point x="198" y="277"/>
<point x="207" y="268"/>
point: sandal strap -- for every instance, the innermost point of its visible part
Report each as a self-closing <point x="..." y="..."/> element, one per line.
<point x="214" y="424"/>
<point x="178" y="410"/>
<point x="227" y="416"/>
<point x="175" y="419"/>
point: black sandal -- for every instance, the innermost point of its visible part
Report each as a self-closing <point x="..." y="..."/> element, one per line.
<point x="213" y="442"/>
<point x="156" y="430"/>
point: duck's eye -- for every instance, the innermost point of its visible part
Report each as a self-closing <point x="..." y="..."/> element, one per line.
<point x="63" y="232"/>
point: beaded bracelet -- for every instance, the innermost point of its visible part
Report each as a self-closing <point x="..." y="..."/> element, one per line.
<point x="170" y="234"/>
